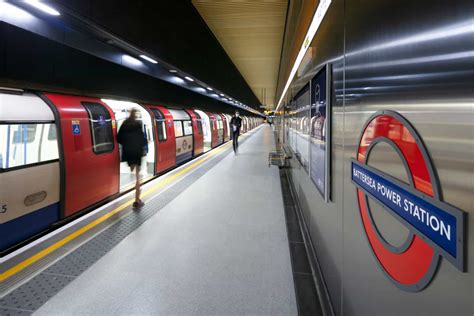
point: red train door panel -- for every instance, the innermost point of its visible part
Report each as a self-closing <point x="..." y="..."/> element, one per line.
<point x="90" y="147"/>
<point x="198" y="136"/>
<point x="165" y="138"/>
<point x="214" y="132"/>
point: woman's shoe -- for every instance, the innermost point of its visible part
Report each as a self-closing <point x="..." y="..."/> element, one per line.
<point x="138" y="204"/>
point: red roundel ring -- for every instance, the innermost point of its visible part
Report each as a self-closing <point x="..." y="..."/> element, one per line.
<point x="414" y="267"/>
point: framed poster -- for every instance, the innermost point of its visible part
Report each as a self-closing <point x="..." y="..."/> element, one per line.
<point x="320" y="146"/>
<point x="302" y="100"/>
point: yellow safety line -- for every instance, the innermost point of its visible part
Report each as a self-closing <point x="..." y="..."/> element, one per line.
<point x="24" y="264"/>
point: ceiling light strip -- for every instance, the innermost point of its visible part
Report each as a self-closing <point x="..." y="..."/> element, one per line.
<point x="43" y="7"/>
<point x="313" y="28"/>
<point x="151" y="60"/>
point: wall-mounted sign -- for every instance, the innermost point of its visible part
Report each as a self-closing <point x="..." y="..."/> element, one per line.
<point x="320" y="134"/>
<point x="436" y="228"/>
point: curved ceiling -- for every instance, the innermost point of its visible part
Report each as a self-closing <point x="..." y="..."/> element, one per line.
<point x="251" y="33"/>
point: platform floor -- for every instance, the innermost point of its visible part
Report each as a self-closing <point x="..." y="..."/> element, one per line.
<point x="219" y="248"/>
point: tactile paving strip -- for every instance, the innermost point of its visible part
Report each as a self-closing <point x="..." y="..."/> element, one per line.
<point x="33" y="294"/>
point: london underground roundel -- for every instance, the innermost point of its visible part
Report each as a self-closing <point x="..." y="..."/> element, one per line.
<point x="436" y="229"/>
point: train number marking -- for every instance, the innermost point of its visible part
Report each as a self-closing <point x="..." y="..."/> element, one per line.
<point x="3" y="209"/>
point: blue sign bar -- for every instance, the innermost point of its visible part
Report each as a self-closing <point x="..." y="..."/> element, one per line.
<point x="430" y="220"/>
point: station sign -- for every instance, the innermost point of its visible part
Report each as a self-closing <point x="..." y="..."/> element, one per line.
<point x="436" y="228"/>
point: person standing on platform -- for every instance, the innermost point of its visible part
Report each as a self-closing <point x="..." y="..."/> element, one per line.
<point x="235" y="124"/>
<point x="133" y="142"/>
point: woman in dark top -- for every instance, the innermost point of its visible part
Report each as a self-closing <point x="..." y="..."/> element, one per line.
<point x="133" y="141"/>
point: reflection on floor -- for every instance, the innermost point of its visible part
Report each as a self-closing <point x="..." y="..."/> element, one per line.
<point x="127" y="177"/>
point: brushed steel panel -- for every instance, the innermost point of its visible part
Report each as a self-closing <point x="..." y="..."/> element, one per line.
<point x="416" y="58"/>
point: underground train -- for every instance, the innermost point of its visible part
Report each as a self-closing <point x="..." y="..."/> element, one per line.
<point x="59" y="155"/>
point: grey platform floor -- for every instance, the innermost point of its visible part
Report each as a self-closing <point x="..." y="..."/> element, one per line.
<point x="219" y="248"/>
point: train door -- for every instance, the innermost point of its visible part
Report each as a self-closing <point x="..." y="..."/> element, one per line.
<point x="197" y="132"/>
<point x="214" y="134"/>
<point x="165" y="144"/>
<point x="29" y="168"/>
<point x="121" y="111"/>
<point x="183" y="131"/>
<point x="91" y="157"/>
<point x="225" y="123"/>
<point x="206" y="129"/>
<point x="220" y="128"/>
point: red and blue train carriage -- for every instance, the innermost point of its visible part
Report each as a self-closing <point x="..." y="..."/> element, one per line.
<point x="59" y="155"/>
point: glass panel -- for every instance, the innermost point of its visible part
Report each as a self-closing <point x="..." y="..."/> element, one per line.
<point x="101" y="128"/>
<point x="24" y="133"/>
<point x="52" y="133"/>
<point x="178" y="129"/>
<point x="158" y="115"/>
<point x="160" y="124"/>
<point x="24" y="144"/>
<point x="199" y="123"/>
<point x="188" y="128"/>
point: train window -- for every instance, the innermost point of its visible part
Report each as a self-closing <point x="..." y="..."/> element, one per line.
<point x="160" y="125"/>
<point x="52" y="133"/>
<point x="199" y="123"/>
<point x="101" y="127"/>
<point x="24" y="133"/>
<point x="25" y="144"/>
<point x="178" y="128"/>
<point x="188" y="128"/>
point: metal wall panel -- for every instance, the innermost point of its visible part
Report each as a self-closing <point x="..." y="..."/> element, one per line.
<point x="416" y="58"/>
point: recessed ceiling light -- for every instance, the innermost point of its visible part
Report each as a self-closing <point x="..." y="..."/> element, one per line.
<point x="151" y="60"/>
<point x="131" y="60"/>
<point x="43" y="7"/>
<point x="210" y="89"/>
<point x="188" y="78"/>
<point x="173" y="70"/>
<point x="222" y="94"/>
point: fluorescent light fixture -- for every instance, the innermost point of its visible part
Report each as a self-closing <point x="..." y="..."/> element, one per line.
<point x="43" y="7"/>
<point x="176" y="79"/>
<point x="151" y="60"/>
<point x="188" y="78"/>
<point x="210" y="89"/>
<point x="313" y="28"/>
<point x="131" y="60"/>
<point x="173" y="71"/>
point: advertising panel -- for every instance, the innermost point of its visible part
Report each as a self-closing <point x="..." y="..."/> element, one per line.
<point x="301" y="130"/>
<point x="320" y="131"/>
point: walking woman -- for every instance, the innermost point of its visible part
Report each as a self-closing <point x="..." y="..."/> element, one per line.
<point x="133" y="142"/>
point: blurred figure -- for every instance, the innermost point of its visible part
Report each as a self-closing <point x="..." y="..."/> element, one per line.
<point x="132" y="139"/>
<point x="235" y="124"/>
